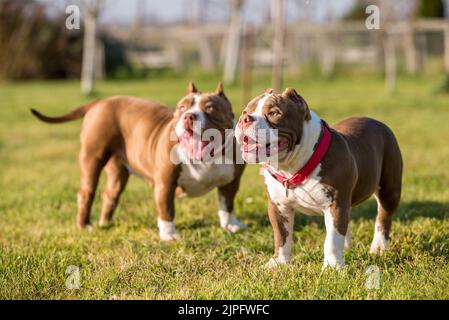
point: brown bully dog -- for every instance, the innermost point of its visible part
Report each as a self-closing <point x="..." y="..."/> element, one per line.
<point x="128" y="135"/>
<point x="320" y="170"/>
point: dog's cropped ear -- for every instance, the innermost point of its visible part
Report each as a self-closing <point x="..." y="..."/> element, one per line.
<point x="191" y="88"/>
<point x="219" y="89"/>
<point x="269" y="91"/>
<point x="291" y="94"/>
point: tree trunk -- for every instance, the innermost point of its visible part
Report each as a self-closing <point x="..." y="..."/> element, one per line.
<point x="206" y="54"/>
<point x="328" y="52"/>
<point x="390" y="62"/>
<point x="278" y="43"/>
<point x="233" y="42"/>
<point x="411" y="56"/>
<point x="446" y="48"/>
<point x="247" y="56"/>
<point x="88" y="68"/>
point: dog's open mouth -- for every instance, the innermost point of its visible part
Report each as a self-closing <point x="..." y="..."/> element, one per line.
<point x="249" y="145"/>
<point x="194" y="146"/>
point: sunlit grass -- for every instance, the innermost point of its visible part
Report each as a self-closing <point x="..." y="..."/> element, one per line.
<point x="39" y="180"/>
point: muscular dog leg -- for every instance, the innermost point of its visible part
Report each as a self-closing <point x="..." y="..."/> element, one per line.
<point x="164" y="193"/>
<point x="282" y="221"/>
<point x="388" y="196"/>
<point x="336" y="219"/>
<point x="117" y="177"/>
<point x="228" y="220"/>
<point x="387" y="204"/>
<point x="91" y="167"/>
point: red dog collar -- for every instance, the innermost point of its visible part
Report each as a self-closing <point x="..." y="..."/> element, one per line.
<point x="304" y="173"/>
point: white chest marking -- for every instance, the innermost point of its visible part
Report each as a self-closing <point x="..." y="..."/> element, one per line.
<point x="197" y="179"/>
<point x="310" y="198"/>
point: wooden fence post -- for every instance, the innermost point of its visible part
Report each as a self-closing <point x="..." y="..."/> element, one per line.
<point x="233" y="42"/>
<point x="446" y="47"/>
<point x="278" y="43"/>
<point x="390" y="61"/>
<point x="247" y="55"/>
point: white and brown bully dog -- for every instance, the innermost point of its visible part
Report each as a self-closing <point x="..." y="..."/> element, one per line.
<point x="130" y="135"/>
<point x="319" y="170"/>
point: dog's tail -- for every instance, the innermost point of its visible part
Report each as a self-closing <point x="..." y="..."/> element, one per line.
<point x="73" y="115"/>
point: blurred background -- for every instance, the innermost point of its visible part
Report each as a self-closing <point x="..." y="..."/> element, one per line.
<point x="234" y="39"/>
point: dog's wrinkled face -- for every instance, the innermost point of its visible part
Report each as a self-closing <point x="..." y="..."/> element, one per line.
<point x="271" y="125"/>
<point x="198" y="113"/>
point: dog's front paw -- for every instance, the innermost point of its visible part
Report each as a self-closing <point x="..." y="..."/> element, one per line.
<point x="85" y="227"/>
<point x="235" y="225"/>
<point x="379" y="244"/>
<point x="167" y="230"/>
<point x="333" y="262"/>
<point x="229" y="222"/>
<point x="169" y="236"/>
<point x="275" y="262"/>
<point x="105" y="224"/>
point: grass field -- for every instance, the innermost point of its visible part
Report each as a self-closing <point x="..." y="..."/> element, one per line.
<point x="39" y="181"/>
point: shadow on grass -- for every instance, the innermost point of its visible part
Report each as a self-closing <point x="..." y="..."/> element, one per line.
<point x="435" y="245"/>
<point x="408" y="211"/>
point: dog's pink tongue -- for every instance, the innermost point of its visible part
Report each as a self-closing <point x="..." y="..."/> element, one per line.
<point x="193" y="146"/>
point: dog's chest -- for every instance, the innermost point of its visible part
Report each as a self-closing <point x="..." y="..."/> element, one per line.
<point x="197" y="179"/>
<point x="310" y="198"/>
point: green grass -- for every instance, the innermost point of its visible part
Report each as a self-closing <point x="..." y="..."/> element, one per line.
<point x="39" y="181"/>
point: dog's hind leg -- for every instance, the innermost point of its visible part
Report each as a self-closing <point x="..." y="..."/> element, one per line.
<point x="91" y="164"/>
<point x="388" y="198"/>
<point x="386" y="206"/>
<point x="117" y="177"/>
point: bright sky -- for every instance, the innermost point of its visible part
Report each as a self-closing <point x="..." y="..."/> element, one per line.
<point x="125" y="11"/>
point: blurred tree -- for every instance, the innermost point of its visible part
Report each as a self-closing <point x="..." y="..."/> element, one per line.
<point x="91" y="10"/>
<point x="357" y="11"/>
<point x="278" y="43"/>
<point x="431" y="9"/>
<point x="390" y="10"/>
<point x="34" y="46"/>
<point x="233" y="42"/>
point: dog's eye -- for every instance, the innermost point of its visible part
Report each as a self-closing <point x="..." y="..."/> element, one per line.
<point x="273" y="113"/>
<point x="208" y="108"/>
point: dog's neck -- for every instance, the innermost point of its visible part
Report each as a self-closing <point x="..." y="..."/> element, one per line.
<point x="302" y="152"/>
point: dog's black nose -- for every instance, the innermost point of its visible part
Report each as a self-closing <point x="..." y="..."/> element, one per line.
<point x="190" y="116"/>
<point x="247" y="119"/>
